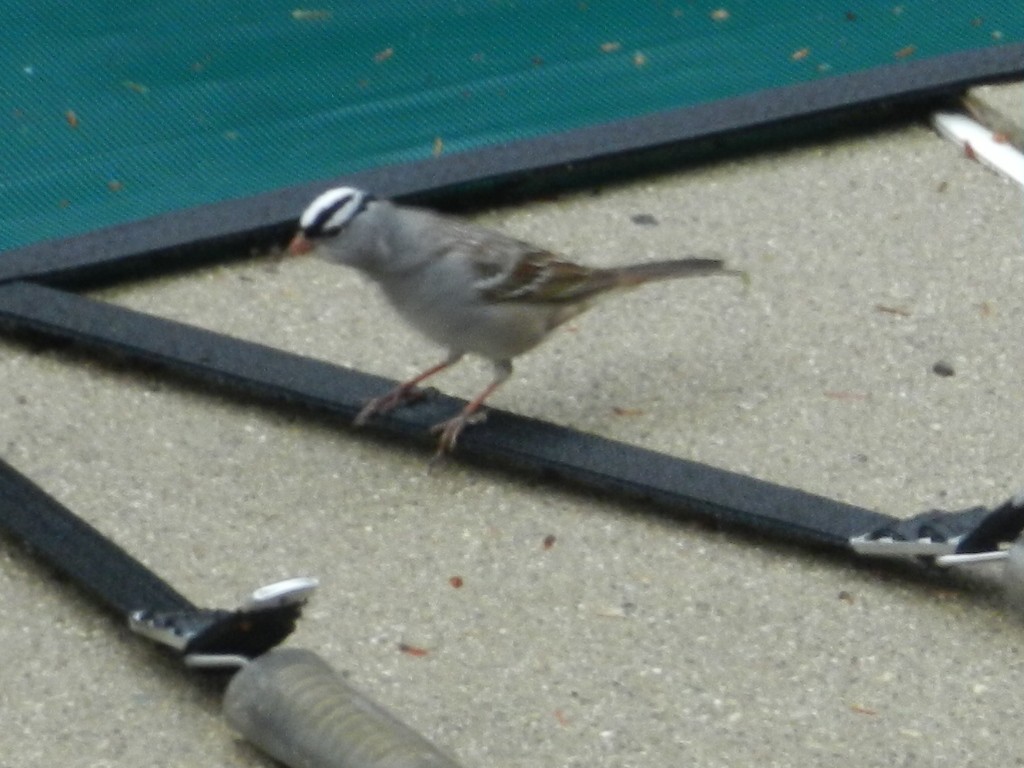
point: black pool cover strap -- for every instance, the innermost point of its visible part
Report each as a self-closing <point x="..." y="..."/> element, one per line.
<point x="125" y="586"/>
<point x="80" y="552"/>
<point x="675" y="486"/>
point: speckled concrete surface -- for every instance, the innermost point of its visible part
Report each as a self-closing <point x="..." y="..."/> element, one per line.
<point x="632" y="641"/>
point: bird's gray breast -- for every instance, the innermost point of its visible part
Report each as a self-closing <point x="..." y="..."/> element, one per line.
<point x="444" y="304"/>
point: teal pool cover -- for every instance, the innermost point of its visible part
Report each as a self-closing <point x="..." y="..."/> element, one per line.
<point x="114" y="112"/>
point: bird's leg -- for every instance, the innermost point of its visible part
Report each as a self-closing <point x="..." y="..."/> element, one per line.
<point x="404" y="392"/>
<point x="452" y="428"/>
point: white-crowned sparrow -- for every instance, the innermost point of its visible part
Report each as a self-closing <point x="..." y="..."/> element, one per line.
<point x="468" y="288"/>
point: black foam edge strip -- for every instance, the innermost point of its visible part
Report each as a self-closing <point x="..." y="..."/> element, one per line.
<point x="205" y="233"/>
<point x="675" y="486"/>
<point x="79" y="551"/>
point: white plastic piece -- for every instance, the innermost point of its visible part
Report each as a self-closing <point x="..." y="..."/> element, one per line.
<point x="215" y="661"/>
<point x="971" y="558"/>
<point x="280" y="594"/>
<point x="889" y="547"/>
<point x="981" y="143"/>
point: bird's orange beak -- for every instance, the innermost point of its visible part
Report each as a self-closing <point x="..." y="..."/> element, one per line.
<point x="300" y="244"/>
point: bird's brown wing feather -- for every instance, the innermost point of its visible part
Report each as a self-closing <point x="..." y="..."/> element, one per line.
<point x="513" y="270"/>
<point x="509" y="270"/>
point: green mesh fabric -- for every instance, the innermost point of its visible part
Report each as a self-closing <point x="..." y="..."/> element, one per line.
<point x="114" y="111"/>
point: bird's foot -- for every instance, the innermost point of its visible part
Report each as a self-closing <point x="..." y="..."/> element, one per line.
<point x="450" y="430"/>
<point x="393" y="399"/>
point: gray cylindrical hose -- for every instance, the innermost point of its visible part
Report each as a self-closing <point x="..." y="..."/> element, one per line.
<point x="294" y="706"/>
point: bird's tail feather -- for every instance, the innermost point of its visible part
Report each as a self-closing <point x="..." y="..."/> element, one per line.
<point x="638" y="274"/>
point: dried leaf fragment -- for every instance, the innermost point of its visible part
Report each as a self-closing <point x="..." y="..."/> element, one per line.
<point x="844" y="394"/>
<point x="905" y="51"/>
<point x="549" y="541"/>
<point x="719" y="14"/>
<point x="310" y="14"/>
<point x="438" y="146"/>
<point x="72" y="118"/>
<point x="610" y="47"/>
<point x="384" y="55"/>
<point x="412" y="650"/>
<point x="800" y="54"/>
<point x="862" y="710"/>
<point x="139" y="88"/>
<point x="891" y="310"/>
<point x="619" y="410"/>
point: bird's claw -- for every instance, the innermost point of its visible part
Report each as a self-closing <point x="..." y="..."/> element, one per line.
<point x="390" y="401"/>
<point x="450" y="429"/>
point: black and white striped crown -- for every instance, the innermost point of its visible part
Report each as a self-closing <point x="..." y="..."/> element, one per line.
<point x="331" y="211"/>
